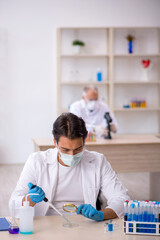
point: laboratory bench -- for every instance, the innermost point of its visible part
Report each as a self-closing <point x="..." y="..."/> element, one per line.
<point x="51" y="227"/>
<point x="126" y="153"/>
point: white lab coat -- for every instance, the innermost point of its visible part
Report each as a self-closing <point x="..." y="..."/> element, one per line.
<point x="96" y="117"/>
<point x="41" y="169"/>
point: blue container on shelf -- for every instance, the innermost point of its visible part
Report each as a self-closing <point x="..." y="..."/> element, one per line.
<point x="130" y="46"/>
<point x="99" y="75"/>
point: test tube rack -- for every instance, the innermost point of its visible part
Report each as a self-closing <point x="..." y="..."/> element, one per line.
<point x="142" y="228"/>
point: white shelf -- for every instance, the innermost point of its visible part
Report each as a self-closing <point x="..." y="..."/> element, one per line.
<point x="84" y="83"/>
<point x="136" y="55"/>
<point x="135" y="82"/>
<point x="136" y="109"/>
<point x="84" y="56"/>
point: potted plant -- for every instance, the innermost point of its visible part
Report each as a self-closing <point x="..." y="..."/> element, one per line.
<point x="77" y="44"/>
<point x="130" y="39"/>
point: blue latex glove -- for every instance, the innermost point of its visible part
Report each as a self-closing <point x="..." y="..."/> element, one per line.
<point x="90" y="212"/>
<point x="36" y="198"/>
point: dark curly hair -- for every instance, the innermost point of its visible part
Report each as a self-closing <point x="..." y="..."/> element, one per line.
<point x="70" y="126"/>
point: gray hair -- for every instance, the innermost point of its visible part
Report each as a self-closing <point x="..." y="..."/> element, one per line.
<point x="87" y="88"/>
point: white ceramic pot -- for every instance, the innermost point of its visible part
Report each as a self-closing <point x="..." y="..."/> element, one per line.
<point x="76" y="49"/>
<point x="145" y="77"/>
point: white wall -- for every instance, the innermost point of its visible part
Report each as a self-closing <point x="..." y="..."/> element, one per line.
<point x="28" y="67"/>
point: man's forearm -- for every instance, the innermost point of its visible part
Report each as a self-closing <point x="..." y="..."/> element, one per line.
<point x="31" y="203"/>
<point x="109" y="213"/>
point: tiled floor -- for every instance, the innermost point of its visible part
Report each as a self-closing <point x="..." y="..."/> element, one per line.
<point x="137" y="184"/>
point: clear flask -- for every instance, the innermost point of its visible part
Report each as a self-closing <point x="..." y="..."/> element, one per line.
<point x="13" y="228"/>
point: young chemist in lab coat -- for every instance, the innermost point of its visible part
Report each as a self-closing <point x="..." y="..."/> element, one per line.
<point x="92" y="110"/>
<point x="70" y="174"/>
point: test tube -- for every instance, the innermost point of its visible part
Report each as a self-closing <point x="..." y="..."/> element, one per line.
<point x="156" y="212"/>
<point x="110" y="226"/>
<point x="136" y="211"/>
<point x="129" y="212"/>
<point x="148" y="212"/>
<point x="133" y="212"/>
<point x="145" y="213"/>
<point x="152" y="213"/>
<point x="105" y="227"/>
<point x="125" y="211"/>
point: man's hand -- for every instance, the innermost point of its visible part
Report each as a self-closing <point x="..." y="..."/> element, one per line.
<point x="101" y="131"/>
<point x="40" y="193"/>
<point x="113" y="127"/>
<point x="90" y="212"/>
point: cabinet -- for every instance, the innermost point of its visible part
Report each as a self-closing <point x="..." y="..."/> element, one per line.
<point x="107" y="48"/>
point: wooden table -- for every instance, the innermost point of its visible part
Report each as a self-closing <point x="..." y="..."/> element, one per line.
<point x="50" y="228"/>
<point x="126" y="153"/>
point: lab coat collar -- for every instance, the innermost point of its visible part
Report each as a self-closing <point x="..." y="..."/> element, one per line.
<point x="88" y="179"/>
<point x="52" y="156"/>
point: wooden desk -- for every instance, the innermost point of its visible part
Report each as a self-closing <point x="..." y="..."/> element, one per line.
<point x="126" y="153"/>
<point x="50" y="228"/>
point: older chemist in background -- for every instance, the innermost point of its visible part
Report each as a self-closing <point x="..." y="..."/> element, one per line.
<point x="92" y="110"/>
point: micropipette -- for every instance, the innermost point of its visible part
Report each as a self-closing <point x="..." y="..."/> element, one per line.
<point x="52" y="206"/>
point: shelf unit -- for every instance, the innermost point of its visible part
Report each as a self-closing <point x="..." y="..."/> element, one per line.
<point x="82" y="83"/>
<point x="122" y="72"/>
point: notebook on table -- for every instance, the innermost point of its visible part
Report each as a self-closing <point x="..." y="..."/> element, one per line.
<point x="4" y="224"/>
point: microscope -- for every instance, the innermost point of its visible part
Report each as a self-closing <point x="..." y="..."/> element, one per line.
<point x="108" y="121"/>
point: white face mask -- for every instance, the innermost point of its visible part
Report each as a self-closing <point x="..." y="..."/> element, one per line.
<point x="91" y="104"/>
<point x="70" y="160"/>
